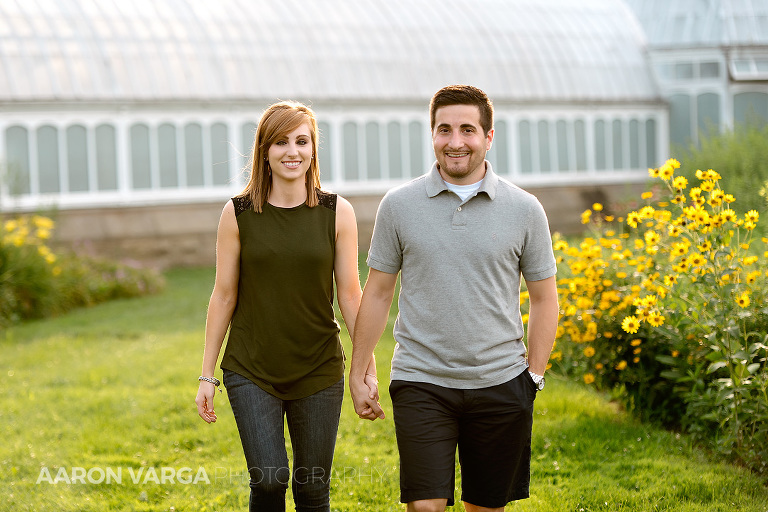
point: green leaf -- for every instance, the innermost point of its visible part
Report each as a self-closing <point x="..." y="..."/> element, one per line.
<point x="716" y="366"/>
<point x="752" y="368"/>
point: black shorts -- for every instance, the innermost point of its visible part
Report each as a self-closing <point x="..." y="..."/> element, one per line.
<point x="491" y="428"/>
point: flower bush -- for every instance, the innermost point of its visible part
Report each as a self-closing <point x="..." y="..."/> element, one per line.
<point x="36" y="282"/>
<point x="666" y="308"/>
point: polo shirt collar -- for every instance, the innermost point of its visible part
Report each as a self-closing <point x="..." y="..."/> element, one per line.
<point x="435" y="183"/>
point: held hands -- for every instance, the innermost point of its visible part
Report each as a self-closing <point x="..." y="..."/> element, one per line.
<point x="204" y="401"/>
<point x="365" y="396"/>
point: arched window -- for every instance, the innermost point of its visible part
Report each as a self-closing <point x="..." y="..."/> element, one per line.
<point x="680" y="130"/>
<point x="193" y="151"/>
<point x="372" y="151"/>
<point x="106" y="157"/>
<point x="501" y="164"/>
<point x="141" y="177"/>
<point x="351" y="160"/>
<point x="48" y="160"/>
<point x="395" y="150"/>
<point x="168" y="156"/>
<point x="326" y="138"/>
<point x="524" y="138"/>
<point x="416" y="141"/>
<point x="77" y="159"/>
<point x="708" y="113"/>
<point x="601" y="159"/>
<point x="220" y="153"/>
<point x="17" y="155"/>
<point x="750" y="107"/>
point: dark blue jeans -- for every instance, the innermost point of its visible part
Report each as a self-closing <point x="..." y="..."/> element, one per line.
<point x="312" y="424"/>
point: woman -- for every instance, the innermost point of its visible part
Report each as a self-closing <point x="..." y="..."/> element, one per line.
<point x="280" y="244"/>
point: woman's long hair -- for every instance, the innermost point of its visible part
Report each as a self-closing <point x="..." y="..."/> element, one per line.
<point x="277" y="121"/>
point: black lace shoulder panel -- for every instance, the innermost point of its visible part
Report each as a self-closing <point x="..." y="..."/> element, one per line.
<point x="327" y="199"/>
<point x="242" y="204"/>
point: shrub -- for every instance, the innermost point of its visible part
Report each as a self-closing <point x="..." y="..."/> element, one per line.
<point x="666" y="308"/>
<point x="35" y="282"/>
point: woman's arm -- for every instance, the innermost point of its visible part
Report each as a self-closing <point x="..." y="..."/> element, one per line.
<point x="221" y="305"/>
<point x="348" y="278"/>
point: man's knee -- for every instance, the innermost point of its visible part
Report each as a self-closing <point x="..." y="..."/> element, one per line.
<point x="427" y="505"/>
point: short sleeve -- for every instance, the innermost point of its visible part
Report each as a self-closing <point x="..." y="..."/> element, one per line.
<point x="386" y="252"/>
<point x="537" y="261"/>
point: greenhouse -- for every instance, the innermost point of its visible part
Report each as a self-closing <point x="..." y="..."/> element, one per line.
<point x="152" y="105"/>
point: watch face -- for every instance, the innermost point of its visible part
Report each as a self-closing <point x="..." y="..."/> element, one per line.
<point x="541" y="384"/>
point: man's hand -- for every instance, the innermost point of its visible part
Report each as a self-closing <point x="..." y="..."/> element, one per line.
<point x="365" y="396"/>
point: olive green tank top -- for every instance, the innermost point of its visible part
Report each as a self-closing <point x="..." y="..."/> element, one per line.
<point x="283" y="335"/>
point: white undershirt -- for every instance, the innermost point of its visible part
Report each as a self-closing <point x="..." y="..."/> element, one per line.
<point x="464" y="191"/>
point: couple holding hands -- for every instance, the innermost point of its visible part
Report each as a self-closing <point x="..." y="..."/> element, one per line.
<point x="462" y="376"/>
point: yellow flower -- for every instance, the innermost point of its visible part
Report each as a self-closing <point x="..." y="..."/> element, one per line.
<point x="674" y="163"/>
<point x="589" y="352"/>
<point x="585" y="216"/>
<point x="656" y="319"/>
<point x="621" y="366"/>
<point x="743" y="300"/>
<point x="674" y="230"/>
<point x="630" y="324"/>
<point x="666" y="172"/>
<point x="597" y="207"/>
<point x="653" y="173"/>
<point x="647" y="195"/>
<point x="636" y="342"/>
<point x="680" y="182"/>
<point x="633" y="218"/>
<point x="589" y="378"/>
<point x="599" y="366"/>
<point x="728" y="215"/>
<point x="675" y="353"/>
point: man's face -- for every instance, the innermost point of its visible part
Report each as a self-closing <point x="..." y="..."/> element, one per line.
<point x="460" y="144"/>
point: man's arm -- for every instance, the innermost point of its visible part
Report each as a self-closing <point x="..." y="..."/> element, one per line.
<point x="371" y="322"/>
<point x="542" y="322"/>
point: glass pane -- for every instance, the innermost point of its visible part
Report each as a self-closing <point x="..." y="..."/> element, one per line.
<point x="683" y="71"/>
<point x="580" y="135"/>
<point x="600" y="158"/>
<point x="545" y="164"/>
<point x="220" y="153"/>
<point x="562" y="145"/>
<point x="416" y="141"/>
<point x="168" y="156"/>
<point x="709" y="69"/>
<point x="193" y="150"/>
<point x="77" y="159"/>
<point x="618" y="144"/>
<point x="652" y="159"/>
<point x="679" y="119"/>
<point x="500" y="147"/>
<point x="106" y="157"/>
<point x="372" y="151"/>
<point x="708" y="109"/>
<point x="634" y="144"/>
<point x="750" y="107"/>
<point x="48" y="159"/>
<point x="248" y="134"/>
<point x="524" y="134"/>
<point x="17" y="155"/>
<point x="351" y="165"/>
<point x="140" y="164"/>
<point x="395" y="150"/>
<point x="325" y="152"/>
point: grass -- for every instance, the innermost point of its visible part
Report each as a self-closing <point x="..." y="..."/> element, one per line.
<point x="112" y="388"/>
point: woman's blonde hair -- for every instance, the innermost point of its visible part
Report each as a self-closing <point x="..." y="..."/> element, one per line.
<point x="277" y="121"/>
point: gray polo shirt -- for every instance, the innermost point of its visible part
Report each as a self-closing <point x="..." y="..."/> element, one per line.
<point x="459" y="323"/>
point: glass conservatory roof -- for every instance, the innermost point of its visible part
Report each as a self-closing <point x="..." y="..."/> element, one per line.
<point x="166" y="50"/>
<point x="703" y="23"/>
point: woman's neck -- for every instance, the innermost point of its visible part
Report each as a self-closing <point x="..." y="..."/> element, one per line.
<point x="285" y="195"/>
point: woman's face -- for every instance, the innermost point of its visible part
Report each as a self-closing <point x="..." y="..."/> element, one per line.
<point x="290" y="155"/>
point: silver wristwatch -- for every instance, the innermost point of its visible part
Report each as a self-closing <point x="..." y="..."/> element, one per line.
<point x="537" y="379"/>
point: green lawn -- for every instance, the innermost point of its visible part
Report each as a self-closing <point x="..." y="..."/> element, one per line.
<point x="108" y="393"/>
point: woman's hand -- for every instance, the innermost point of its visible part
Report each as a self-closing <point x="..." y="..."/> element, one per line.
<point x="204" y="401"/>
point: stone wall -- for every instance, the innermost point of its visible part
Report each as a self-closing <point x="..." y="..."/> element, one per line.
<point x="185" y="235"/>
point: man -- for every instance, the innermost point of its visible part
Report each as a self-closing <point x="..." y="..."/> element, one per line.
<point x="461" y="377"/>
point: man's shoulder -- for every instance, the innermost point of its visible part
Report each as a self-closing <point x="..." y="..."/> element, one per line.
<point x="506" y="190"/>
<point x="408" y="191"/>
